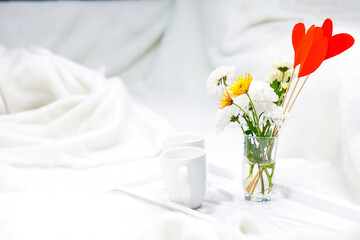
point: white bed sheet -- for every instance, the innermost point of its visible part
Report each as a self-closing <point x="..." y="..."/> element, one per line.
<point x="36" y="201"/>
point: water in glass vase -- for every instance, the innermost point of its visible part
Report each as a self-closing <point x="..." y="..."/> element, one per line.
<point x="258" y="167"/>
<point x="257" y="180"/>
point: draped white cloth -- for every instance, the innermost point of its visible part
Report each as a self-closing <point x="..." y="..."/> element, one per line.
<point x="58" y="113"/>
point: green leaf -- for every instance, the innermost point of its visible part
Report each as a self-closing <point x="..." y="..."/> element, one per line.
<point x="248" y="132"/>
<point x="261" y="114"/>
<point x="280" y="92"/>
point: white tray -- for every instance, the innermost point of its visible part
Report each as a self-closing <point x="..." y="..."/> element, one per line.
<point x="289" y="209"/>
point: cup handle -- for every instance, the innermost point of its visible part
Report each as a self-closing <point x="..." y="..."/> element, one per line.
<point x="184" y="183"/>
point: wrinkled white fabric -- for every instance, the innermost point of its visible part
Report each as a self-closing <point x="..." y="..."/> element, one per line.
<point x="177" y="226"/>
<point x="58" y="113"/>
<point x="164" y="51"/>
<point x="350" y="125"/>
<point x="73" y="214"/>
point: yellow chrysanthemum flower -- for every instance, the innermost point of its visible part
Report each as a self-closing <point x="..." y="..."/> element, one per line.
<point x="225" y="100"/>
<point x="241" y="85"/>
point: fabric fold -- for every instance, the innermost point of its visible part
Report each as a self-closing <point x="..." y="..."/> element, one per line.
<point x="63" y="114"/>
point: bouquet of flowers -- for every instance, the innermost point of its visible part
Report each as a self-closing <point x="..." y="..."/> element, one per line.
<point x="259" y="108"/>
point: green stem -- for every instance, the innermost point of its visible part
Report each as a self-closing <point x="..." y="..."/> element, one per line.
<point x="243" y="111"/>
<point x="250" y="171"/>
<point x="237" y="120"/>
<point x="224" y="81"/>
<point x="272" y="171"/>
<point x="253" y="107"/>
<point x="254" y="111"/>
<point x="269" y="178"/>
<point x="281" y="98"/>
<point x="262" y="180"/>
<point x="242" y="128"/>
<point x="266" y="128"/>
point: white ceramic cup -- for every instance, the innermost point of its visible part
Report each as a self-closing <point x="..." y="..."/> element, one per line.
<point x="184" y="174"/>
<point x="183" y="140"/>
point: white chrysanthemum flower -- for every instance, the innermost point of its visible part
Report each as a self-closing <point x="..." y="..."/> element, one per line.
<point x="225" y="116"/>
<point x="274" y="76"/>
<point x="287" y="75"/>
<point x="276" y="116"/>
<point x="281" y="71"/>
<point x="270" y="79"/>
<point x="214" y="81"/>
<point x="263" y="96"/>
<point x="284" y="85"/>
<point x="243" y="102"/>
<point x="278" y="64"/>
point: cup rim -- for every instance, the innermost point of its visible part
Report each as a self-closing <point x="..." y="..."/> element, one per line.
<point x="201" y="154"/>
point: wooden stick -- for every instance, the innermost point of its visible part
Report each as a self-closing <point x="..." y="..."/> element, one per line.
<point x="248" y="188"/>
<point x="291" y="78"/>
<point x="298" y="93"/>
<point x="274" y="131"/>
<point x="253" y="185"/>
<point x="292" y="92"/>
<point x="252" y="192"/>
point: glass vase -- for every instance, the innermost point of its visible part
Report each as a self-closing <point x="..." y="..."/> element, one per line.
<point x="258" y="167"/>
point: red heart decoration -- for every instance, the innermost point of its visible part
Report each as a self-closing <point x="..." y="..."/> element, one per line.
<point x="297" y="36"/>
<point x="316" y="45"/>
<point x="338" y="44"/>
<point x="315" y="56"/>
<point x="328" y="28"/>
<point x="304" y="45"/>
